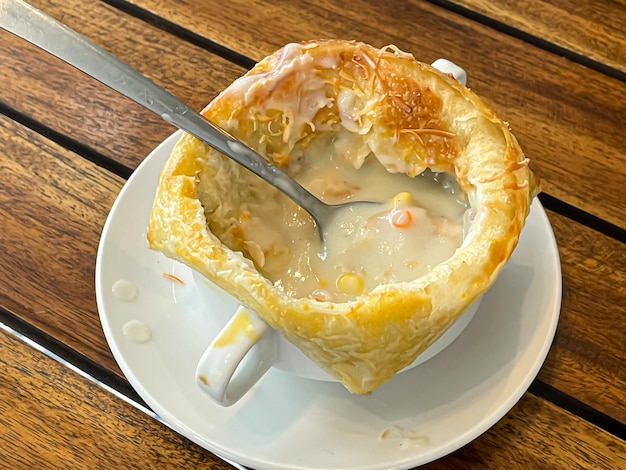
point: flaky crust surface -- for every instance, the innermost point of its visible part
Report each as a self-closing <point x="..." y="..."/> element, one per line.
<point x="411" y="117"/>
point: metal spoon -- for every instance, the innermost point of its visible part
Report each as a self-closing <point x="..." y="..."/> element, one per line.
<point x="36" y="27"/>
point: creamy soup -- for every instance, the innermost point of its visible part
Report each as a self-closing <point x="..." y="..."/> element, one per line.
<point x="416" y="224"/>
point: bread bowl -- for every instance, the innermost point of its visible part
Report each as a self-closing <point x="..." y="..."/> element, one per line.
<point x="403" y="114"/>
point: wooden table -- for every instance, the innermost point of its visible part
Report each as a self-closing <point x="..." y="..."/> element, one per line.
<point x="555" y="70"/>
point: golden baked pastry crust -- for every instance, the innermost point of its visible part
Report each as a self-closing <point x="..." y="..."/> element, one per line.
<point x="412" y="117"/>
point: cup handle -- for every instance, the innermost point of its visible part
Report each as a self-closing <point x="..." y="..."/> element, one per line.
<point x="237" y="358"/>
<point x="445" y="66"/>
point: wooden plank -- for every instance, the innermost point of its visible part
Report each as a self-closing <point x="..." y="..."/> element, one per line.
<point x="55" y="418"/>
<point x="568" y="118"/>
<point x="588" y="357"/>
<point x="58" y="96"/>
<point x="53" y="206"/>
<point x="593" y="29"/>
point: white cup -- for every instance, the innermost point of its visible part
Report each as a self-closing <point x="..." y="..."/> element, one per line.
<point x="246" y="347"/>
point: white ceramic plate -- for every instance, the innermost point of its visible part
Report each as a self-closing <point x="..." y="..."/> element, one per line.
<point x="293" y="423"/>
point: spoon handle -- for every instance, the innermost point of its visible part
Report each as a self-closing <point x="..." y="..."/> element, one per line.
<point x="36" y="27"/>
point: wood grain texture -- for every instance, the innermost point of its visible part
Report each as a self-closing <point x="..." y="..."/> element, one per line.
<point x="53" y="205"/>
<point x="53" y="418"/>
<point x="567" y="118"/>
<point x="50" y="417"/>
<point x="58" y="96"/>
<point x="589" y="362"/>
<point x="593" y="29"/>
